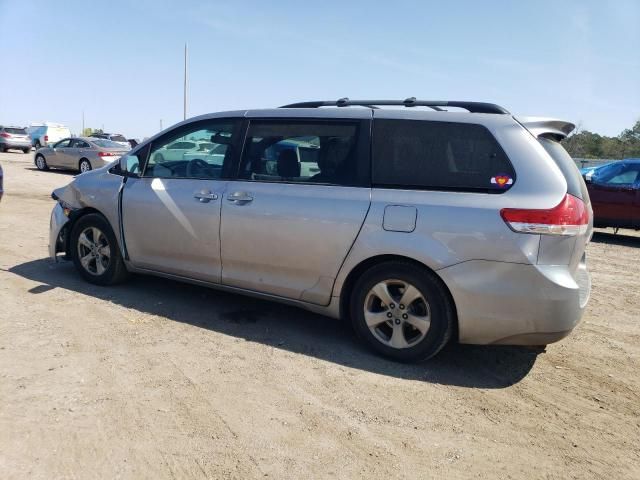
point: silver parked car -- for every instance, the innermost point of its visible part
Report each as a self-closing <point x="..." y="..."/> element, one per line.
<point x="81" y="153"/>
<point x="419" y="226"/>
<point x="14" y="138"/>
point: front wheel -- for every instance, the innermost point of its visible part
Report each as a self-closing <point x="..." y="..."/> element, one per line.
<point x="41" y="163"/>
<point x="95" y="251"/>
<point x="402" y="311"/>
<point x="84" y="166"/>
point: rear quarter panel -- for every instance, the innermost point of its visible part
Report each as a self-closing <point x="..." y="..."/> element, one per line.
<point x="455" y="227"/>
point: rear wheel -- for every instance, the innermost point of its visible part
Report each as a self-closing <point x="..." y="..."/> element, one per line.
<point x="26" y="150"/>
<point x="402" y="311"/>
<point x="84" y="165"/>
<point x="95" y="251"/>
<point x="37" y="145"/>
<point x="41" y="163"/>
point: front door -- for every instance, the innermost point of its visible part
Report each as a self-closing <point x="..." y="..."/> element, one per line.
<point x="171" y="214"/>
<point x="636" y="204"/>
<point x="58" y="156"/>
<point x="291" y="217"/>
<point x="613" y="195"/>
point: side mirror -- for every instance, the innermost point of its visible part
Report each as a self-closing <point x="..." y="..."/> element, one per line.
<point x="221" y="139"/>
<point x="127" y="166"/>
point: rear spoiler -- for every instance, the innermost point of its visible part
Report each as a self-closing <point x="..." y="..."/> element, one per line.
<point x="546" y="127"/>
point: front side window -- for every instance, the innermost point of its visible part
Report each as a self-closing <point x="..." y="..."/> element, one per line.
<point x="619" y="174"/>
<point x="63" y="143"/>
<point x="193" y="151"/>
<point x="440" y="156"/>
<point x="301" y="152"/>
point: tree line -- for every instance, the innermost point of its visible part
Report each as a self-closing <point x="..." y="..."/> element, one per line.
<point x="585" y="144"/>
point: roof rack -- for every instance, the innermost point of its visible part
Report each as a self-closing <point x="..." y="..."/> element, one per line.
<point x="473" y="107"/>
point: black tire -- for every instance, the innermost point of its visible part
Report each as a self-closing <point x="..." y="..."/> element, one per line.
<point x="435" y="295"/>
<point x="26" y="150"/>
<point x="115" y="270"/>
<point x="86" y="162"/>
<point x="41" y="165"/>
<point x="2" y="149"/>
<point x="37" y="145"/>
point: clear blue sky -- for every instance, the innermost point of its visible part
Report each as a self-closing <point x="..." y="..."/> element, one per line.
<point x="121" y="62"/>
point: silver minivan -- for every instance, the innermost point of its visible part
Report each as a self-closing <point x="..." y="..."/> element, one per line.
<point x="420" y="222"/>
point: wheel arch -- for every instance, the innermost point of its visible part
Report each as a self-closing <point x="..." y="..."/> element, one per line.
<point x="357" y="271"/>
<point x="84" y="158"/>
<point x="77" y="215"/>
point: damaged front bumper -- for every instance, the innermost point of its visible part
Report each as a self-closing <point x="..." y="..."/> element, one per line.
<point x="56" y="233"/>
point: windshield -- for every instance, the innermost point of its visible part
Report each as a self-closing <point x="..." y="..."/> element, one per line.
<point x="16" y="131"/>
<point x="106" y="143"/>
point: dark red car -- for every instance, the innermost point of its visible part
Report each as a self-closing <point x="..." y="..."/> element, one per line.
<point x="615" y="195"/>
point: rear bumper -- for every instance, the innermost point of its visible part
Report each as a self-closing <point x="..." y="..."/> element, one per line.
<point x="516" y="304"/>
<point x="58" y="221"/>
<point x="18" y="144"/>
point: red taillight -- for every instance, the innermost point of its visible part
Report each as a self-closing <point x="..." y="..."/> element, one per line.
<point x="569" y="217"/>
<point x="46" y="138"/>
<point x="107" y="154"/>
<point x="5" y="135"/>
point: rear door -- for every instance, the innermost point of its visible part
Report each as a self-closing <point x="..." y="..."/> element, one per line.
<point x="171" y="214"/>
<point x="286" y="231"/>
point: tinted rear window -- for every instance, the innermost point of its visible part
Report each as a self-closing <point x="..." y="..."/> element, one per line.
<point x="571" y="172"/>
<point x="439" y="156"/>
<point x="118" y="138"/>
<point x="106" y="143"/>
<point x="16" y="131"/>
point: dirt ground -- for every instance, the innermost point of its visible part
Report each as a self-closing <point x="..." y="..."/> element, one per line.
<point x="156" y="379"/>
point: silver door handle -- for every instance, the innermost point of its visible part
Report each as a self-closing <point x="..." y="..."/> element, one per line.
<point x="205" y="197"/>
<point x="240" y="198"/>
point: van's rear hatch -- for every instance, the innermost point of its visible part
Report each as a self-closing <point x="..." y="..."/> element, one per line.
<point x="558" y="250"/>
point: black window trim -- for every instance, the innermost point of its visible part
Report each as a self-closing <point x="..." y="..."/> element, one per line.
<point x="55" y="145"/>
<point x="475" y="190"/>
<point x="227" y="166"/>
<point x="363" y="149"/>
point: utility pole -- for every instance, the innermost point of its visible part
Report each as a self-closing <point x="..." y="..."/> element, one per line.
<point x="185" y="81"/>
<point x="82" y="133"/>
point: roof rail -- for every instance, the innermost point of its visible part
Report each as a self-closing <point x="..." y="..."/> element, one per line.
<point x="474" y="107"/>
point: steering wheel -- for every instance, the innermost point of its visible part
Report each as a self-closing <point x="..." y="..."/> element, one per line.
<point x="196" y="167"/>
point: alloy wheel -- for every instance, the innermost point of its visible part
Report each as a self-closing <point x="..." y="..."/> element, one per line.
<point x="85" y="166"/>
<point x="397" y="314"/>
<point x="94" y="251"/>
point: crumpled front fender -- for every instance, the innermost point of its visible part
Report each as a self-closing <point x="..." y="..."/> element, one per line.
<point x="58" y="221"/>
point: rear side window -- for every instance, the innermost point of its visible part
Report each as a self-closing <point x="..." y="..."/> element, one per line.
<point x="575" y="183"/>
<point x="303" y="152"/>
<point x="439" y="156"/>
<point x="16" y="131"/>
